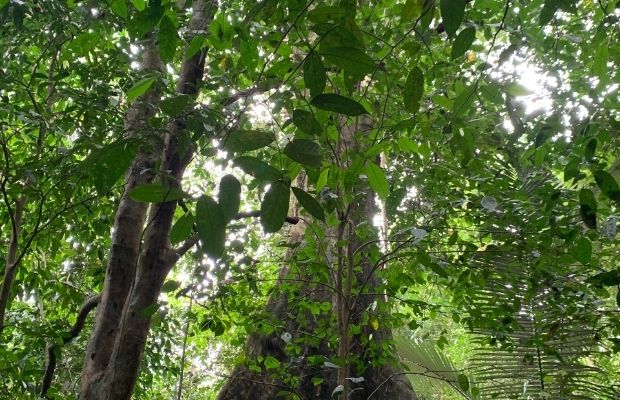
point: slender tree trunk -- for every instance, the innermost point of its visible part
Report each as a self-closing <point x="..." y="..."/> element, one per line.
<point x="11" y="258"/>
<point x="138" y="266"/>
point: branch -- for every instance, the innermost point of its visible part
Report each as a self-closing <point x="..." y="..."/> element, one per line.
<point x="50" y="366"/>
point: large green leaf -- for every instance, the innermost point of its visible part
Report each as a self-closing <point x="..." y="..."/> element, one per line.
<point x="156" y="193"/>
<point x="315" y="76"/>
<point x="244" y="140"/>
<point x="304" y="151"/>
<point x="309" y="203"/>
<point x="140" y="88"/>
<point x="463" y="42"/>
<point x="119" y="7"/>
<point x="608" y="184"/>
<point x="582" y="250"/>
<point x="413" y="90"/>
<point x="174" y="106"/>
<point x="305" y="122"/>
<point x="378" y="181"/>
<point x="351" y="59"/>
<point x="257" y="168"/>
<point x="452" y="13"/>
<point x="211" y="226"/>
<point x="587" y="208"/>
<point x="229" y="197"/>
<point x="339" y="104"/>
<point x="326" y="13"/>
<point x="168" y="39"/>
<point x="107" y="164"/>
<point x="182" y="229"/>
<point x="274" y="207"/>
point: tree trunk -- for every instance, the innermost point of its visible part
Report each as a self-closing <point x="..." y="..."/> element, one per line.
<point x="137" y="267"/>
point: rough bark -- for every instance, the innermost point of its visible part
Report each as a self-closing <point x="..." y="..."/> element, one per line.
<point x="11" y="258"/>
<point x="134" y="278"/>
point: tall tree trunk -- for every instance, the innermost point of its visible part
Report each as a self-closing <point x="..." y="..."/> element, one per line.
<point x="137" y="266"/>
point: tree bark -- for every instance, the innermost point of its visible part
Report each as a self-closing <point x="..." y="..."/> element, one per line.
<point x="137" y="267"/>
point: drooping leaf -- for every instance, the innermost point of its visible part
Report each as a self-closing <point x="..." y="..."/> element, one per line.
<point x="452" y="13"/>
<point x="174" y="106"/>
<point x="139" y="88"/>
<point x="414" y="89"/>
<point x="315" y="76"/>
<point x="182" y="229"/>
<point x="309" y="203"/>
<point x="590" y="149"/>
<point x="378" y="181"/>
<point x="463" y="42"/>
<point x="156" y="193"/>
<point x="463" y="382"/>
<point x="304" y="151"/>
<point x="211" y="226"/>
<point x="351" y="59"/>
<point x="168" y="39"/>
<point x="326" y="13"/>
<point x="139" y="4"/>
<point x="274" y="207"/>
<point x="170" y="286"/>
<point x="607" y="184"/>
<point x="119" y="7"/>
<point x="339" y="104"/>
<point x="257" y="168"/>
<point x="229" y="197"/>
<point x="305" y="122"/>
<point x="582" y="250"/>
<point x="587" y="208"/>
<point x="245" y="140"/>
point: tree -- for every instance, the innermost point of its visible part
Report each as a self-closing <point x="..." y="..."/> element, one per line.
<point x="412" y="114"/>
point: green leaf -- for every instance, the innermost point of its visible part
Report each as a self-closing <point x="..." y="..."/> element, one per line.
<point x="547" y="12"/>
<point x="452" y="12"/>
<point x="599" y="66"/>
<point x="229" y="197"/>
<point x="148" y="311"/>
<point x="315" y="76"/>
<point x="168" y="39"/>
<point x="271" y="362"/>
<point x="305" y="122"/>
<point x="156" y="193"/>
<point x="411" y="10"/>
<point x="463" y="382"/>
<point x="139" y="88"/>
<point x="257" y="168"/>
<point x="211" y="226"/>
<point x="107" y="165"/>
<point x="463" y="42"/>
<point x="607" y="184"/>
<point x="325" y="14"/>
<point x="182" y="229"/>
<point x="413" y="90"/>
<point x="464" y="100"/>
<point x="304" y="152"/>
<point x="174" y="106"/>
<point x="309" y="203"/>
<point x="245" y="140"/>
<point x="3" y="3"/>
<point x="608" y="278"/>
<point x="378" y="181"/>
<point x="339" y="104"/>
<point x="274" y="207"/>
<point x="195" y="45"/>
<point x="587" y="208"/>
<point x="170" y="286"/>
<point x="119" y="7"/>
<point x="582" y="250"/>
<point x="516" y="89"/>
<point x="139" y="4"/>
<point x="351" y="59"/>
<point x="590" y="149"/>
<point x="249" y="55"/>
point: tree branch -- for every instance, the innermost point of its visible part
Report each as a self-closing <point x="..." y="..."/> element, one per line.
<point x="50" y="364"/>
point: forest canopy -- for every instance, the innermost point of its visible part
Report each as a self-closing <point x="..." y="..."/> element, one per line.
<point x="301" y="199"/>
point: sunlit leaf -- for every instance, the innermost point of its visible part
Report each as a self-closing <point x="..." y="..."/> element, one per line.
<point x="155" y="193"/>
<point x="119" y="7"/>
<point x="378" y="181"/>
<point x="182" y="229"/>
<point x="139" y="88"/>
<point x="168" y="39"/>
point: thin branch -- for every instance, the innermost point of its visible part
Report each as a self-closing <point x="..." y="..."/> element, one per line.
<point x="77" y="327"/>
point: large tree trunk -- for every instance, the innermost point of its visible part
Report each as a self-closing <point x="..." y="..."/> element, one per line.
<point x="381" y="380"/>
<point x="137" y="267"/>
